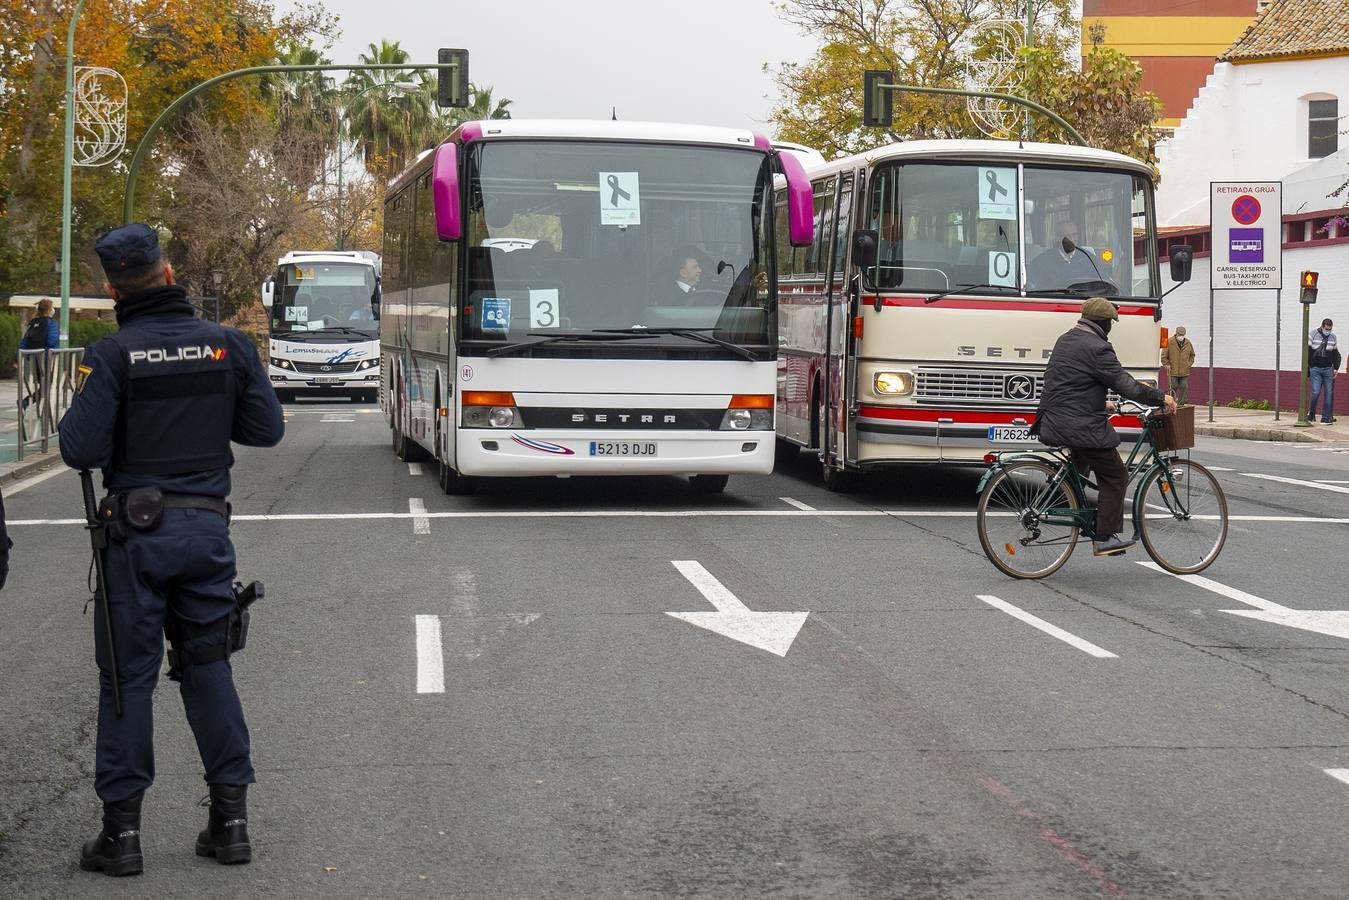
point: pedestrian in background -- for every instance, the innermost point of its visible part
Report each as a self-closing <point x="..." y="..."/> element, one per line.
<point x="42" y="333"/>
<point x="156" y="411"/>
<point x="1323" y="360"/>
<point x="1179" y="359"/>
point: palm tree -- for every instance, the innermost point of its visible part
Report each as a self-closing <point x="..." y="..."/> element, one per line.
<point x="304" y="99"/>
<point x="482" y="106"/>
<point x="389" y="116"/>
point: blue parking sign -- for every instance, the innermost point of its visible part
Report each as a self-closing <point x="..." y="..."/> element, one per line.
<point x="496" y="314"/>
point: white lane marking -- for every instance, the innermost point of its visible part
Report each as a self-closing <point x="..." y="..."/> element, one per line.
<point x="417" y="509"/>
<point x="25" y="484"/>
<point x="1299" y="482"/>
<point x="1331" y="622"/>
<point x="661" y="514"/>
<point x="1338" y="774"/>
<point x="770" y="631"/>
<point x="327" y="412"/>
<point x="797" y="503"/>
<point x="414" y="469"/>
<point x="336" y="419"/>
<point x="1051" y="630"/>
<point x="1218" y="468"/>
<point x="430" y="658"/>
<point x="1330" y="481"/>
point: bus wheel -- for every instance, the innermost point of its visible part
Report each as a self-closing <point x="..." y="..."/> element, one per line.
<point x="405" y="448"/>
<point x="709" y="484"/>
<point x="285" y="396"/>
<point x="839" y="481"/>
<point x="785" y="452"/>
<point x="451" y="482"/>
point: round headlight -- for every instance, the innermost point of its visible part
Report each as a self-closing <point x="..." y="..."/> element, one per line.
<point x="738" y="419"/>
<point x="283" y="363"/>
<point x="501" y="417"/>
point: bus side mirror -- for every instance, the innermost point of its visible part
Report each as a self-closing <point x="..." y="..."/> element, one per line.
<point x="1182" y="262"/>
<point x="268" y="287"/>
<point x="864" y="243"/>
<point x="376" y="298"/>
<point x="445" y="192"/>
<point x="800" y="214"/>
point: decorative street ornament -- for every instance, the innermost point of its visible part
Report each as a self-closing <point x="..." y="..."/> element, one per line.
<point x="998" y="43"/>
<point x="100" y="115"/>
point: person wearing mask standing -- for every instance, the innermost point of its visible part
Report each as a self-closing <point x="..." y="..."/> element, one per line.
<point x="1179" y="359"/>
<point x="1323" y="360"/>
<point x="159" y="403"/>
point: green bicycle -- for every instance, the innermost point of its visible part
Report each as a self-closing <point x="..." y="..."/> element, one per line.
<point x="1033" y="507"/>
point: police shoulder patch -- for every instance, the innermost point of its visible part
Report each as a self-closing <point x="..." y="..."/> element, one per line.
<point x="81" y="376"/>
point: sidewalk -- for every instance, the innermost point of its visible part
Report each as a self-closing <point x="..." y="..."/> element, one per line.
<point x="1259" y="425"/>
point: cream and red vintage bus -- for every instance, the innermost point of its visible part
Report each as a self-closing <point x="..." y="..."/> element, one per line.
<point x="916" y="326"/>
<point x="586" y="298"/>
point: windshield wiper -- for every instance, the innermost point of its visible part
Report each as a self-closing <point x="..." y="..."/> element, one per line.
<point x="344" y="329"/>
<point x="966" y="287"/>
<point x="695" y="334"/>
<point x="562" y="339"/>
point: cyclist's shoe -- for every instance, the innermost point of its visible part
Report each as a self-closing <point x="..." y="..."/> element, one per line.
<point x="1113" y="545"/>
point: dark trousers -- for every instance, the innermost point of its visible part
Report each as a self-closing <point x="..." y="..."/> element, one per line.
<point x="1112" y="478"/>
<point x="185" y="566"/>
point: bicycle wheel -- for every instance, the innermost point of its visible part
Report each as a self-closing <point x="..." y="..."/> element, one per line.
<point x="1010" y="519"/>
<point x="1183" y="522"/>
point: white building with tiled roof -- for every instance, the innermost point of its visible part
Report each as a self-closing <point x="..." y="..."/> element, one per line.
<point x="1276" y="108"/>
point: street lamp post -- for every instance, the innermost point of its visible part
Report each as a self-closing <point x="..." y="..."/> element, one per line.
<point x="67" y="163"/>
<point x="217" y="279"/>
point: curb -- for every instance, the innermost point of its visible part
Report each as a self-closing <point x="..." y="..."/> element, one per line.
<point x="1248" y="433"/>
<point x="13" y="471"/>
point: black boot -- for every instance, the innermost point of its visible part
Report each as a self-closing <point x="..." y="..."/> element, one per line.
<point x="117" y="849"/>
<point x="226" y="834"/>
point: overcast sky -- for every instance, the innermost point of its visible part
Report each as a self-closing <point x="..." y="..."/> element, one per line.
<point x="698" y="61"/>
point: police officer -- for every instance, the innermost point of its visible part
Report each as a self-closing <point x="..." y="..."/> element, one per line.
<point x="159" y="402"/>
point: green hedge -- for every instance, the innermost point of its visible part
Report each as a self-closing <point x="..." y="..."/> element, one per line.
<point x="10" y="332"/>
<point x="84" y="332"/>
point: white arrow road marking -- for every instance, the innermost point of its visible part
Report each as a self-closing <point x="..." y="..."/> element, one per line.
<point x="1338" y="774"/>
<point x="1331" y="622"/>
<point x="430" y="660"/>
<point x="420" y="523"/>
<point x="414" y="468"/>
<point x="771" y="631"/>
<point x="1298" y="481"/>
<point x="1051" y="630"/>
<point x="797" y="503"/>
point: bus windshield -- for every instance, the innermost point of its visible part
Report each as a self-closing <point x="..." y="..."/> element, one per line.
<point x="583" y="237"/>
<point x="947" y="227"/>
<point x="324" y="297"/>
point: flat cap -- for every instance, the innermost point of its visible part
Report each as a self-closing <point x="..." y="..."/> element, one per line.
<point x="1099" y="309"/>
<point x="1180" y="330"/>
<point x="127" y="247"/>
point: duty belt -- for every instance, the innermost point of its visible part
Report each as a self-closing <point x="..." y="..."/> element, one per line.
<point x="197" y="501"/>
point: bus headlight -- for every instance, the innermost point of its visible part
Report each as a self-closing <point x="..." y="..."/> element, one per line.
<point x="893" y="384"/>
<point x="490" y="409"/>
<point x="501" y="417"/>
<point x="747" y="420"/>
<point x="281" y="363"/>
<point x="367" y="364"/>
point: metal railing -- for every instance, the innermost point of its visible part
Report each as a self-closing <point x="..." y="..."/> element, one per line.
<point x="46" y="385"/>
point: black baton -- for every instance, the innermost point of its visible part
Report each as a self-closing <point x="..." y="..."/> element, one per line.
<point x="98" y="538"/>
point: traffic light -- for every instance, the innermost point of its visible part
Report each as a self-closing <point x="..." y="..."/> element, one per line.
<point x="1308" y="283"/>
<point x="878" y="105"/>
<point x="452" y="83"/>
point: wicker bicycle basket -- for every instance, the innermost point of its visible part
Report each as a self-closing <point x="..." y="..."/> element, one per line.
<point x="1174" y="432"/>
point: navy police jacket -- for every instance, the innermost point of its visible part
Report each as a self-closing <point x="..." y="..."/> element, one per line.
<point x="161" y="400"/>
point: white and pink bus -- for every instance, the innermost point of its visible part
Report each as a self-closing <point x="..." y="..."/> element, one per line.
<point x="916" y="325"/>
<point x="573" y="298"/>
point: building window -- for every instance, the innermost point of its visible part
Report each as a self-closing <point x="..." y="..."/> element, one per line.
<point x="1323" y="127"/>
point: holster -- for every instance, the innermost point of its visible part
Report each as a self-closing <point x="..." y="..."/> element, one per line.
<point x="233" y="628"/>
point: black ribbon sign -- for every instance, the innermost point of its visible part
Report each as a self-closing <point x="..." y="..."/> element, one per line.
<point x="995" y="190"/>
<point x="613" y="182"/>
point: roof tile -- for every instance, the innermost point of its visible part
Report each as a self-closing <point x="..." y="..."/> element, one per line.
<point x="1294" y="28"/>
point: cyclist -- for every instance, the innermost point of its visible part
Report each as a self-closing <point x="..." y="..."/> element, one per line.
<point x="1082" y="368"/>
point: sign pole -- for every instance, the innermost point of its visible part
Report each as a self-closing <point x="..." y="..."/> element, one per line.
<point x="1278" y="330"/>
<point x="1210" y="354"/>
<point x="1302" y="420"/>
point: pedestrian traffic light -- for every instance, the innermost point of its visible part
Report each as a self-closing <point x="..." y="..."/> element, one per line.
<point x="1308" y="283"/>
<point x="878" y="104"/>
<point x="452" y="81"/>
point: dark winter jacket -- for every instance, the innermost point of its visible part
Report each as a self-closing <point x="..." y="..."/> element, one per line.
<point x="1082" y="368"/>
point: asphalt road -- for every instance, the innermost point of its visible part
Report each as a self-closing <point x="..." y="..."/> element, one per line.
<point x="490" y="700"/>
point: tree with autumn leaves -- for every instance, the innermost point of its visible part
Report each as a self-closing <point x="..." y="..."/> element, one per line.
<point x="935" y="43"/>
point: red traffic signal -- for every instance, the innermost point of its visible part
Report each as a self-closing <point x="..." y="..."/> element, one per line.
<point x="1308" y="284"/>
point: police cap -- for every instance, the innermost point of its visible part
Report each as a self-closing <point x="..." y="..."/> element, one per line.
<point x="1099" y="309"/>
<point x="127" y="248"/>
